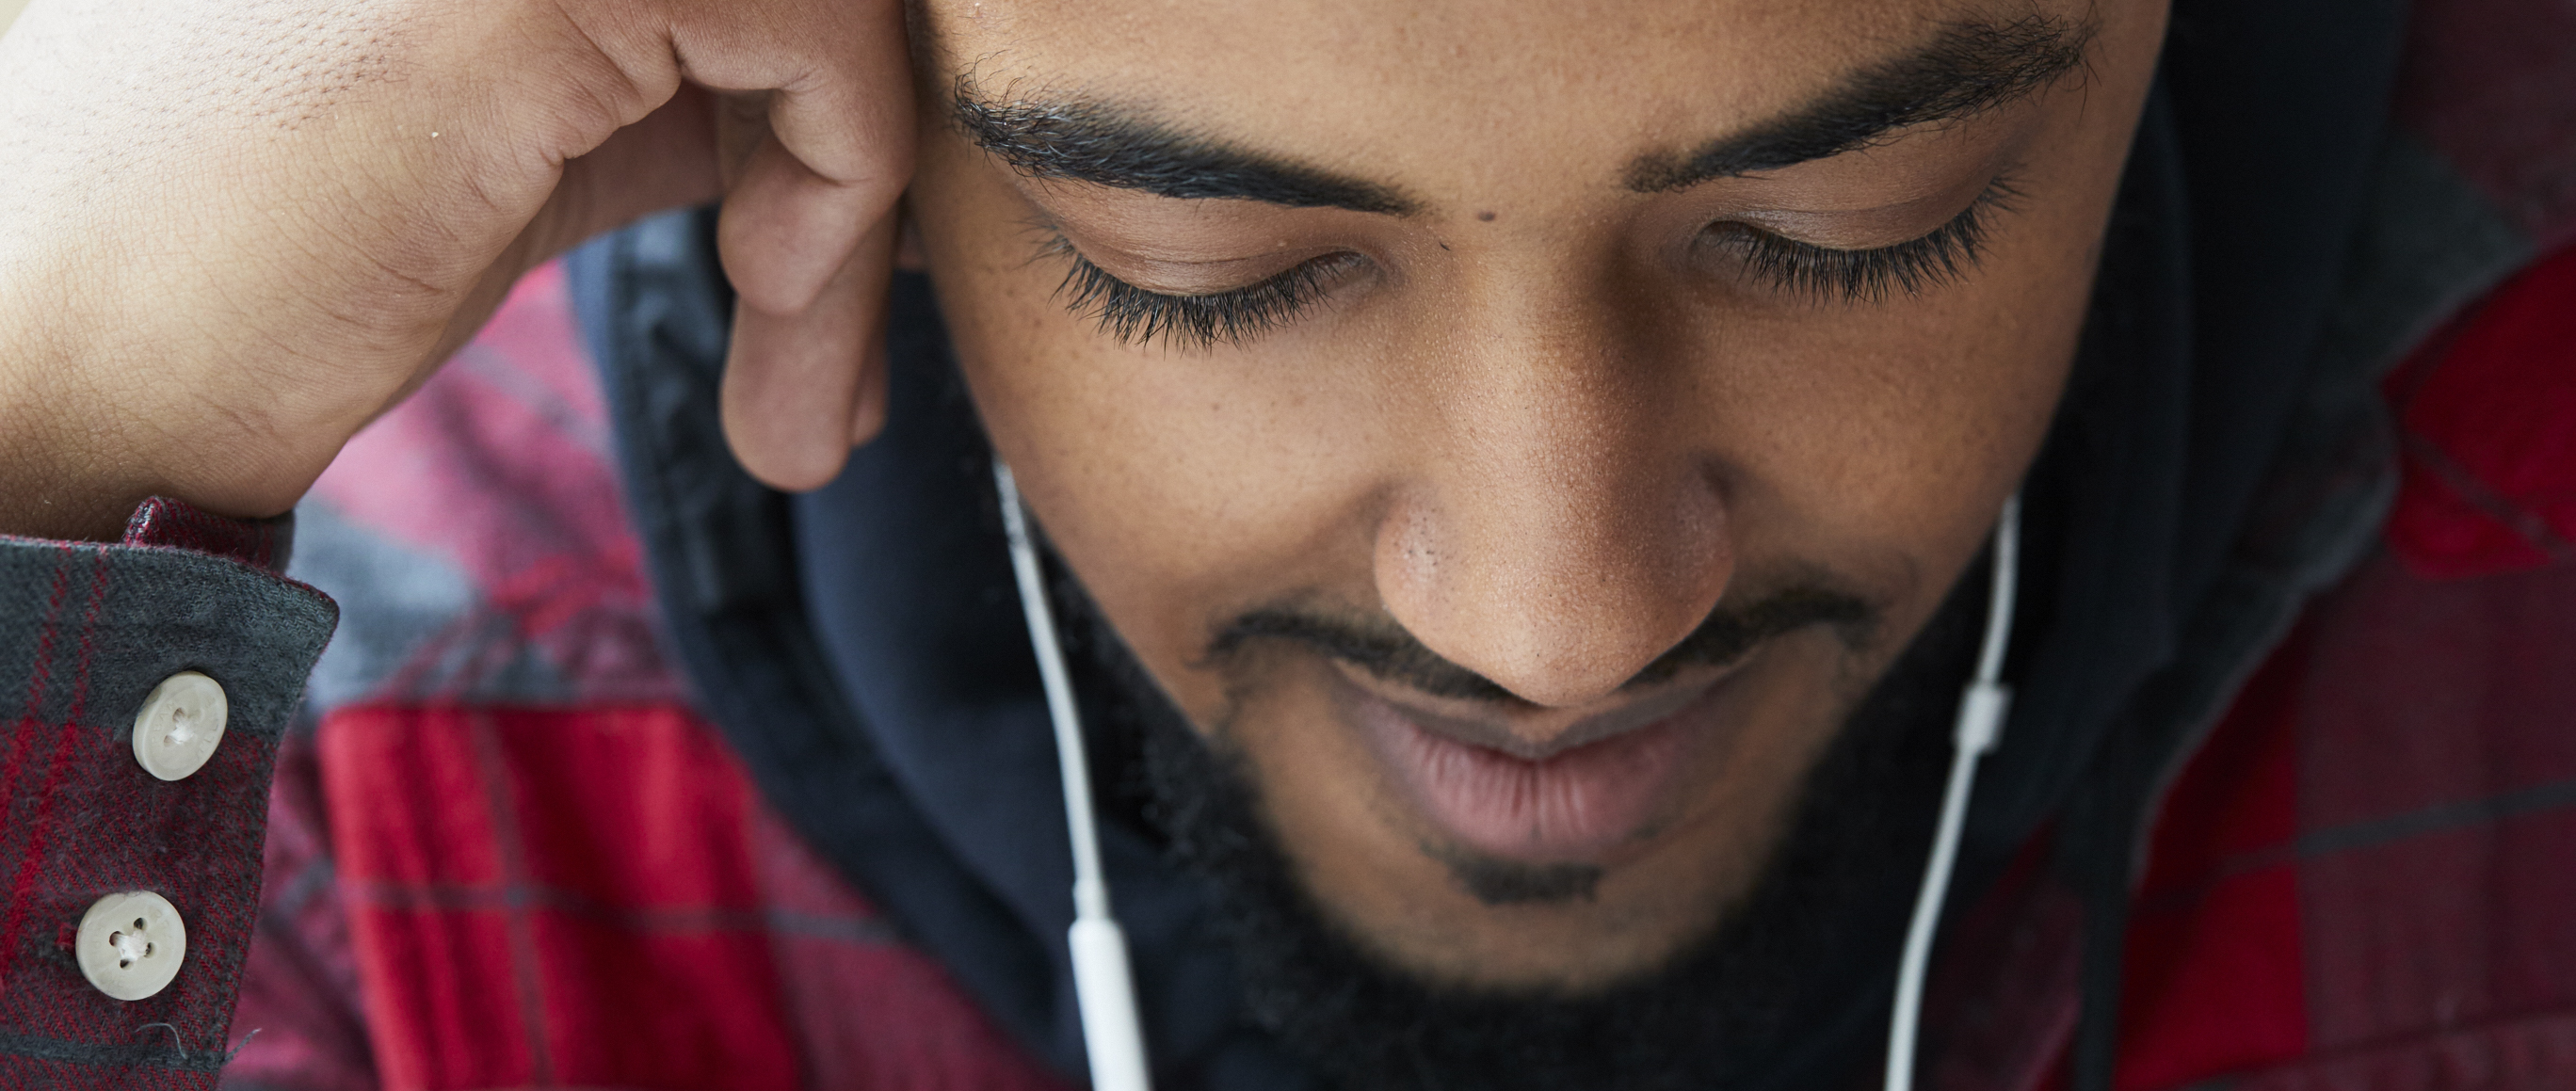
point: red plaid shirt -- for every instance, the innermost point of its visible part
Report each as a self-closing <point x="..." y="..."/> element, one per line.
<point x="502" y="850"/>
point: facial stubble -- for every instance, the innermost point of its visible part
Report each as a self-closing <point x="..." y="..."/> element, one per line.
<point x="1723" y="641"/>
<point x="1811" y="939"/>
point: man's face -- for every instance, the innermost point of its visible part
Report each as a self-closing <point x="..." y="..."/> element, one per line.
<point x="1521" y="432"/>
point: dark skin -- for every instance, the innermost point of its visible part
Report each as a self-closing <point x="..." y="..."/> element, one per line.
<point x="1593" y="337"/>
<point x="1540" y="414"/>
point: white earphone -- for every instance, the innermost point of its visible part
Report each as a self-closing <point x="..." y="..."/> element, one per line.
<point x="1979" y="726"/>
<point x="1104" y="986"/>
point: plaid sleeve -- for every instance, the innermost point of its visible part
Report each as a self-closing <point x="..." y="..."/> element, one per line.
<point x="300" y="1025"/>
<point x="86" y="631"/>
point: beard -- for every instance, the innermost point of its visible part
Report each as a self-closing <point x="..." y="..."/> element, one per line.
<point x="1780" y="994"/>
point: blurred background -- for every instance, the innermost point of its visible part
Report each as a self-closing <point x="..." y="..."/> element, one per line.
<point x="9" y="11"/>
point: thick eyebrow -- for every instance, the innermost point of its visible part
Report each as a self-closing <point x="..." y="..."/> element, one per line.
<point x="1966" y="69"/>
<point x="1108" y="146"/>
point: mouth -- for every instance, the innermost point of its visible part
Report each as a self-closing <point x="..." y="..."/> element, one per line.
<point x="1587" y="789"/>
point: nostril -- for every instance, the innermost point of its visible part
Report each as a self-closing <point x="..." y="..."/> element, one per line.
<point x="1558" y="593"/>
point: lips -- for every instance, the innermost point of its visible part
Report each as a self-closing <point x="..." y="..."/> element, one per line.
<point x="1569" y="803"/>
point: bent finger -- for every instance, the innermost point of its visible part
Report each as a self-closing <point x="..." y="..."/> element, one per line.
<point x="837" y="154"/>
<point x="802" y="387"/>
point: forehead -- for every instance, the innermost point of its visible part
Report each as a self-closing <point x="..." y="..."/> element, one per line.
<point x="1432" y="88"/>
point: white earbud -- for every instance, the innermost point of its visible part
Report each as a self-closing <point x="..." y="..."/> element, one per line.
<point x="1102" y="984"/>
<point x="1980" y="724"/>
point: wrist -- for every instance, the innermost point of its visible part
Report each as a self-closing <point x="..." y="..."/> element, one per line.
<point x="48" y="491"/>
<point x="78" y="454"/>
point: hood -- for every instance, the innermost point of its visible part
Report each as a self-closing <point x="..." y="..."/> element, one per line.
<point x="2219" y="457"/>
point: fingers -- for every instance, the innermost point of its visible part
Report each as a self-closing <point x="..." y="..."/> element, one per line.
<point x="802" y="387"/>
<point x="808" y="237"/>
<point x="787" y="229"/>
<point x="837" y="80"/>
<point x="653" y="165"/>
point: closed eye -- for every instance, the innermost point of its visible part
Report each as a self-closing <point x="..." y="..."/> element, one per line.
<point x="1829" y="274"/>
<point x="1134" y="315"/>
<point x="1825" y="274"/>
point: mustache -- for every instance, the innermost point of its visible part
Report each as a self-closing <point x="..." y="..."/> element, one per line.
<point x="1388" y="652"/>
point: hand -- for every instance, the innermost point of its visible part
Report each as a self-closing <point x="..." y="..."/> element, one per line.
<point x="234" y="231"/>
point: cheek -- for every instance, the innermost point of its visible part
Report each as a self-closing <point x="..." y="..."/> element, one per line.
<point x="1905" y="427"/>
<point x="1183" y="492"/>
<point x="1183" y="486"/>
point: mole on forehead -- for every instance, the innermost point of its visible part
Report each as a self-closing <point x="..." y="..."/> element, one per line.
<point x="1954" y="71"/>
<point x="1048" y="38"/>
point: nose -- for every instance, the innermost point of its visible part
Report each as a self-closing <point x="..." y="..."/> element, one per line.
<point x="1563" y="533"/>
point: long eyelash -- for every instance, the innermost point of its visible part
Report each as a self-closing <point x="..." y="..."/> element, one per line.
<point x="1827" y="274"/>
<point x="1137" y="316"/>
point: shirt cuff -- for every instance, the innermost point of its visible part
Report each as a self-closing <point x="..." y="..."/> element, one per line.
<point x="88" y="631"/>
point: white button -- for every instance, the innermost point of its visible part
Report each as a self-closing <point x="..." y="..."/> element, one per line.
<point x="180" y="725"/>
<point x="131" y="944"/>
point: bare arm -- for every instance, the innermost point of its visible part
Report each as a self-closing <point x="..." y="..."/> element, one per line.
<point x="233" y="231"/>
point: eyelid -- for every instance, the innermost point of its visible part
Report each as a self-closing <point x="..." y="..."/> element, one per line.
<point x="1136" y="315"/>
<point x="1183" y="277"/>
<point x="1864" y="227"/>
<point x="1943" y="255"/>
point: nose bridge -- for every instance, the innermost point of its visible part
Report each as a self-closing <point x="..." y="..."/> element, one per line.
<point x="1562" y="530"/>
